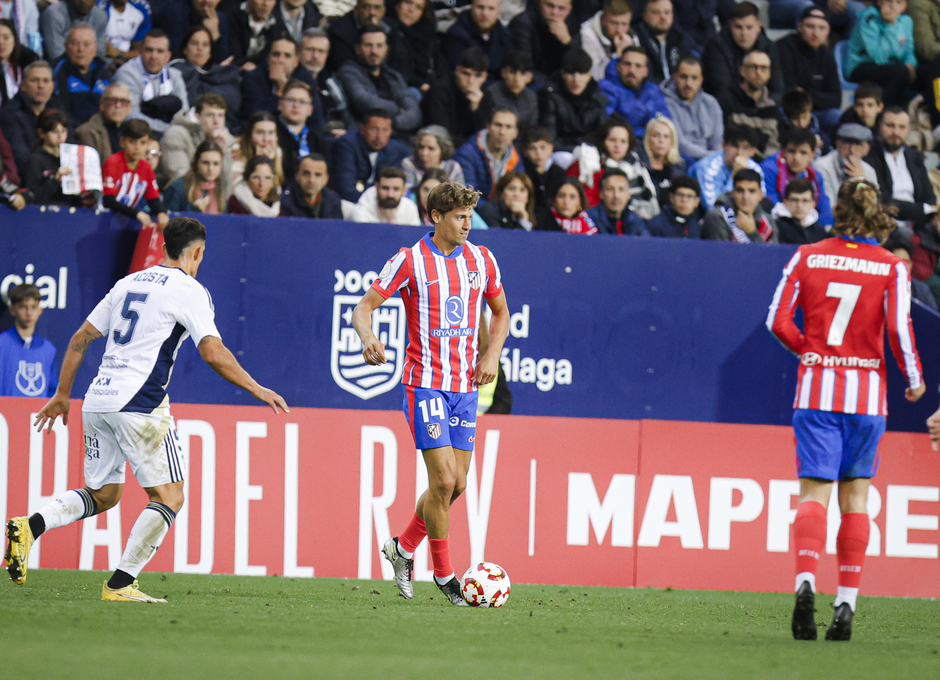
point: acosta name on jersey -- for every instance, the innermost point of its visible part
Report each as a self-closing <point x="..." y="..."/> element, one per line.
<point x="848" y="264"/>
<point x="813" y="359"/>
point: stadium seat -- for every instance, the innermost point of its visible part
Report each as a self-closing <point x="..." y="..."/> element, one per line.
<point x="848" y="88"/>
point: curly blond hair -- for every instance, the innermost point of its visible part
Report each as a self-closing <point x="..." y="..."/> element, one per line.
<point x="449" y="196"/>
<point x="859" y="212"/>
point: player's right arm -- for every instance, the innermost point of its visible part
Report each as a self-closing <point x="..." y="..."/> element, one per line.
<point x="222" y="361"/>
<point x="373" y="351"/>
<point x="58" y="405"/>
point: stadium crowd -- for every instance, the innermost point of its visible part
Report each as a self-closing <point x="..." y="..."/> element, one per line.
<point x="664" y="118"/>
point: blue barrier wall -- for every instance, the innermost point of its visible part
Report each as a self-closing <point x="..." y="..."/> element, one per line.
<point x="603" y="327"/>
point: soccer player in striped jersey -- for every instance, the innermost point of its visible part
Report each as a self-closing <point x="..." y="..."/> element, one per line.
<point x="126" y="417"/>
<point x="849" y="288"/>
<point x="444" y="281"/>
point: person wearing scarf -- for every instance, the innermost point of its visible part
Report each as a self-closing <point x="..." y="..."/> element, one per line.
<point x="738" y="216"/>
<point x="568" y="209"/>
<point x="794" y="161"/>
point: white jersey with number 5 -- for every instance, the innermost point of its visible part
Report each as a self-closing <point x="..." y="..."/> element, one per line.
<point x="145" y="318"/>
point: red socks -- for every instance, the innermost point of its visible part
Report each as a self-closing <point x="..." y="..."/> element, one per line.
<point x="809" y="535"/>
<point x="851" y="544"/>
<point x="440" y="557"/>
<point x="412" y="536"/>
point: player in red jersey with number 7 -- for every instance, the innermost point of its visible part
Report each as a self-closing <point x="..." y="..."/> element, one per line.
<point x="849" y="288"/>
<point x="444" y="281"/>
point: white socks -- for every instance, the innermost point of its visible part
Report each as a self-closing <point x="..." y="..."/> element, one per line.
<point x="806" y="576"/>
<point x="404" y="553"/>
<point x="847" y="595"/>
<point x="441" y="581"/>
<point x="148" y="533"/>
<point x="70" y="507"/>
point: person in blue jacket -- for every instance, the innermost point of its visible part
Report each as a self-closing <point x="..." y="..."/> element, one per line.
<point x="795" y="161"/>
<point x="630" y="93"/>
<point x="26" y="360"/>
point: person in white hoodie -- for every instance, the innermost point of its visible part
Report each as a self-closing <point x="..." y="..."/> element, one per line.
<point x="158" y="92"/>
<point x="605" y="35"/>
<point x="696" y="113"/>
<point x="385" y="202"/>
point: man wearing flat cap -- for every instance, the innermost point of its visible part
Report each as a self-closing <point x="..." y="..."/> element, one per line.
<point x="852" y="144"/>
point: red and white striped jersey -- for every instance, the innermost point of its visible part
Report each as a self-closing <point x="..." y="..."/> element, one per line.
<point x="848" y="288"/>
<point x="443" y="295"/>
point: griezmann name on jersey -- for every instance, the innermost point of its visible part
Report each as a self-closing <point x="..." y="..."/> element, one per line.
<point x="443" y="295"/>
<point x="849" y="291"/>
<point x="145" y="318"/>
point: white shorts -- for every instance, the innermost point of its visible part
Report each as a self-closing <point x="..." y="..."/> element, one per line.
<point x="147" y="440"/>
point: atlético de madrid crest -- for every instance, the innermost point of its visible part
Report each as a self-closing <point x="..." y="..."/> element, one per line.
<point x="474" y="280"/>
<point x="350" y="370"/>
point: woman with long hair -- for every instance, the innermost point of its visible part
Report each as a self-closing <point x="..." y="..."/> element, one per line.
<point x="259" y="139"/>
<point x="614" y="145"/>
<point x="569" y="209"/>
<point x="203" y="189"/>
<point x="662" y="158"/>
<point x="513" y="205"/>
<point x="433" y="148"/>
<point x="258" y="193"/>
<point x="14" y="57"/>
<point x="849" y="289"/>
<point x="202" y="73"/>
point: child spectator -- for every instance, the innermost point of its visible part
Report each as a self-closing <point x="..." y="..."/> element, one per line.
<point x="26" y="360"/>
<point x="129" y="179"/>
<point x="795" y="161"/>
<point x="866" y="109"/>
<point x="512" y="90"/>
<point x="797" y="106"/>
<point x="258" y="193"/>
<point x="613" y="215"/>
<point x="43" y="172"/>
<point x="569" y="209"/>
<point x="715" y="172"/>
<point x="881" y="50"/>
<point x="202" y="189"/>
<point x="308" y="196"/>
<point x="571" y="105"/>
<point x="513" y="205"/>
<point x="663" y="161"/>
<point x="680" y="216"/>
<point x="537" y="150"/>
<point x="737" y="216"/>
<point x="796" y="217"/>
<point x="433" y="148"/>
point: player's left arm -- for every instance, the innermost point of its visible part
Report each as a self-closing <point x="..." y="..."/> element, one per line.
<point x="901" y="331"/>
<point x="58" y="405"/>
<point x="488" y="365"/>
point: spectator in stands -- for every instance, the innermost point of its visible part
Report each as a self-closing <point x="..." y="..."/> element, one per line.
<point x="696" y="114"/>
<point x="24" y="22"/>
<point x="263" y="88"/>
<point x="853" y="143"/>
<point x="715" y="172"/>
<point x="129" y="179"/>
<point x="204" y="122"/>
<point x="43" y="176"/>
<point x="795" y="161"/>
<point x="307" y="195"/>
<point x="253" y="28"/>
<point x="385" y="202"/>
<point x="10" y="192"/>
<point x="370" y="84"/>
<point x="259" y="139"/>
<point x="630" y="94"/>
<point x="614" y="145"/>
<point x="344" y="31"/>
<point x="925" y="15"/>
<point x="203" y="76"/>
<point x="881" y="50"/>
<point x="298" y="132"/>
<point x="750" y="104"/>
<point x="315" y="51"/>
<point x="19" y="118"/>
<point x="56" y="20"/>
<point x="296" y="16"/>
<point x="329" y="98"/>
<point x="419" y="59"/>
<point x="128" y="23"/>
<point x="433" y="148"/>
<point x="157" y="91"/>
<point x="512" y="90"/>
<point x="605" y="35"/>
<point x="545" y="174"/>
<point x="807" y="62"/>
<point x="14" y="57"/>
<point x="738" y="216"/>
<point x="26" y="360"/>
<point x="569" y="209"/>
<point x="797" y="107"/>
<point x="665" y="43"/>
<point x="80" y="76"/>
<point x="680" y="214"/>
<point x="546" y="31"/>
<point x="258" y="193"/>
<point x="724" y="54"/>
<point x="697" y="19"/>
<point x="480" y="27"/>
<point x="662" y="157"/>
<point x="842" y="15"/>
<point x="458" y="101"/>
<point x="867" y="105"/>
<point x="360" y="154"/>
<point x="490" y="154"/>
<point x="203" y="187"/>
<point x="572" y="105"/>
<point x="902" y="174"/>
<point x="904" y="249"/>
<point x="219" y="24"/>
<point x="796" y="216"/>
<point x="613" y="214"/>
<point x="513" y="205"/>
<point x="103" y="130"/>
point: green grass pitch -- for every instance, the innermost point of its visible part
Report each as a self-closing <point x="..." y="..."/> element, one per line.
<point x="273" y="628"/>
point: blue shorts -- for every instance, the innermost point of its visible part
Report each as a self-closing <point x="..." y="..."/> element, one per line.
<point x="836" y="446"/>
<point x="439" y="418"/>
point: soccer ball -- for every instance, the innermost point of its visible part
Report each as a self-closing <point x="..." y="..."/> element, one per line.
<point x="485" y="585"/>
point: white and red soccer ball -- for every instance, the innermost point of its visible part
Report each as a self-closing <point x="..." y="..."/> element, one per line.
<point x="485" y="585"/>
